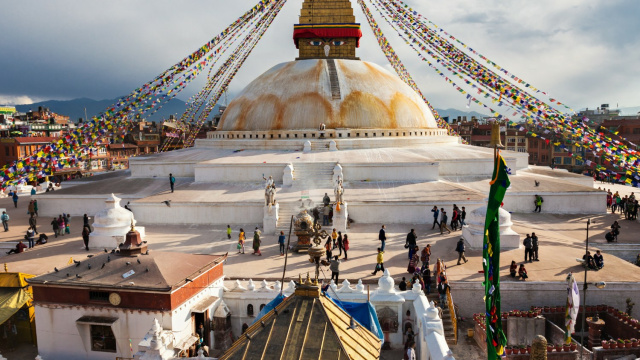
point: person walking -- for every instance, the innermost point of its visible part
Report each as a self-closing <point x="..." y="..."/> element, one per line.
<point x="425" y="255"/>
<point x="35" y="206"/>
<point x="442" y="291"/>
<point x="325" y="215"/>
<point x="327" y="248"/>
<point x="60" y="225"/>
<point x="411" y="242"/>
<point x="339" y="242"/>
<point x="460" y="249"/>
<point x="436" y="214"/>
<point x="172" y="181"/>
<point x="31" y="238"/>
<point x="256" y="242"/>
<point x="345" y="245"/>
<point x="86" y="230"/>
<point x="528" y="246"/>
<point x="534" y="247"/>
<point x="335" y="269"/>
<point x="454" y="219"/>
<point x="228" y="232"/>
<point x="15" y="198"/>
<point x="5" y="220"/>
<point x="33" y="222"/>
<point x="241" y="240"/>
<point x="281" y="239"/>
<point x="538" y="202"/>
<point x="413" y="263"/>
<point x="382" y="236"/>
<point x="443" y="223"/>
<point x="379" y="262"/>
<point x="55" y="227"/>
<point x="334" y="238"/>
<point x="463" y="215"/>
<point x="30" y="209"/>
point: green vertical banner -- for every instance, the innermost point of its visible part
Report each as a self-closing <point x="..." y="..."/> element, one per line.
<point x="496" y="340"/>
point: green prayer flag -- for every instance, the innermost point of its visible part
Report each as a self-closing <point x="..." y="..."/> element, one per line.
<point x="496" y="340"/>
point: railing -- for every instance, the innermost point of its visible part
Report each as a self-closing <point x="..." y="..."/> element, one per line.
<point x="454" y="319"/>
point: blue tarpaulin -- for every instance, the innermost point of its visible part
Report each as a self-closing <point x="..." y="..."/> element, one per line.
<point x="270" y="306"/>
<point x="363" y="313"/>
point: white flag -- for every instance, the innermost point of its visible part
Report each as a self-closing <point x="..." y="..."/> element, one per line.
<point x="573" y="305"/>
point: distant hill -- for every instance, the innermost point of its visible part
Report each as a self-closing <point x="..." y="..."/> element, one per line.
<point x="75" y="108"/>
<point x="454" y="113"/>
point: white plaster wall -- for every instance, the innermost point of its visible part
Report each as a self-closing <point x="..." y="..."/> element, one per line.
<point x="422" y="171"/>
<point x="558" y="203"/>
<point x="142" y="168"/>
<point x="521" y="295"/>
<point x="400" y="212"/>
<point x="76" y="205"/>
<point x="210" y="173"/>
<point x="237" y="303"/>
<point x="466" y="167"/>
<point x="59" y="337"/>
<point x="199" y="213"/>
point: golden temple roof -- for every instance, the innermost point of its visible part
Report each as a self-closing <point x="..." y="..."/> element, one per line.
<point x="305" y="327"/>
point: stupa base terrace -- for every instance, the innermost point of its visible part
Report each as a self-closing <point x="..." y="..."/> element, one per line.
<point x="395" y="179"/>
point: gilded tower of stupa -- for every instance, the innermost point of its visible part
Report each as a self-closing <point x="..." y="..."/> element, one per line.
<point x="327" y="29"/>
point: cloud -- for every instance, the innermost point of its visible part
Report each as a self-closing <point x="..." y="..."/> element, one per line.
<point x="16" y="100"/>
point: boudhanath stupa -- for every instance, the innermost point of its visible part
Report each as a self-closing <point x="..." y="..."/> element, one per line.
<point x="306" y="123"/>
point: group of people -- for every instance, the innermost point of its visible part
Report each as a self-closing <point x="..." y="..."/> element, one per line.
<point x="530" y="243"/>
<point x="257" y="240"/>
<point x="627" y="205"/>
<point x="593" y="262"/>
<point x="440" y="219"/>
<point x="521" y="271"/>
<point x="336" y="241"/>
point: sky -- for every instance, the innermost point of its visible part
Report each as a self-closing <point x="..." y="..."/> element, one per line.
<point x="583" y="53"/>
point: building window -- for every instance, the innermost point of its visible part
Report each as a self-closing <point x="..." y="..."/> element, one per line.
<point x="511" y="140"/>
<point x="543" y="158"/>
<point x="567" y="161"/>
<point x="249" y="310"/>
<point x="522" y="150"/>
<point x="99" y="296"/>
<point x="636" y="130"/>
<point x="521" y="140"/>
<point x="511" y="148"/>
<point x="102" y="151"/>
<point x="578" y="162"/>
<point x="262" y="306"/>
<point x="102" y="339"/>
<point x="558" y="160"/>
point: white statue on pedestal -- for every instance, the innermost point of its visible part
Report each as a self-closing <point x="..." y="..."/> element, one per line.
<point x="270" y="195"/>
<point x="269" y="181"/>
<point x="338" y="191"/>
<point x="111" y="224"/>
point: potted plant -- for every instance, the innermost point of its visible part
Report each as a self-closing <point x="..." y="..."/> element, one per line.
<point x="601" y="307"/>
<point x="550" y="347"/>
<point x="613" y="344"/>
<point x="573" y="346"/>
<point x="558" y="347"/>
<point x="530" y="314"/>
<point x="566" y="347"/>
<point x="523" y="349"/>
<point x="620" y="343"/>
<point x="610" y="309"/>
<point x="634" y="342"/>
<point x="508" y="350"/>
<point x="546" y="309"/>
<point x="627" y="344"/>
<point x="528" y="349"/>
<point x="605" y="344"/>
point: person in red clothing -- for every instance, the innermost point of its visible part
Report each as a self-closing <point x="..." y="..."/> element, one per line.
<point x="522" y="272"/>
<point x="19" y="248"/>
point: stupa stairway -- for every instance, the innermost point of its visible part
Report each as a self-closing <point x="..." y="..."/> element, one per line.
<point x="446" y="314"/>
<point x="313" y="176"/>
<point x="287" y="209"/>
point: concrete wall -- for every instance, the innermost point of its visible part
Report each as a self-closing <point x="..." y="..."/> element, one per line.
<point x="522" y="295"/>
<point x="400" y="212"/>
<point x="199" y="213"/>
<point x="147" y="169"/>
<point x="76" y="205"/>
<point x="210" y="173"/>
<point x="558" y="203"/>
<point x="415" y="172"/>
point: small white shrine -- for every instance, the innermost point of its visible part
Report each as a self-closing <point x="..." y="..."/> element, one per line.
<point x="111" y="224"/>
<point x="474" y="232"/>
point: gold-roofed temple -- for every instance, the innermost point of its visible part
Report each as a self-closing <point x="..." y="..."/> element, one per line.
<point x="327" y="29"/>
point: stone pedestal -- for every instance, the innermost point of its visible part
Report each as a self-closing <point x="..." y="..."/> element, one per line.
<point x="287" y="175"/>
<point x="270" y="219"/>
<point x="307" y="146"/>
<point x="473" y="233"/>
<point x="595" y="328"/>
<point x="332" y="146"/>
<point x="337" y="173"/>
<point x="340" y="217"/>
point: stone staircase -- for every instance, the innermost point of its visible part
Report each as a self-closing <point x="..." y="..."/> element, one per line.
<point x="310" y="176"/>
<point x="446" y="314"/>
<point x="287" y="209"/>
<point x="333" y="79"/>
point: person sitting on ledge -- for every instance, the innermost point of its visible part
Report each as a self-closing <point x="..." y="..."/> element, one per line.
<point x="598" y="260"/>
<point x="609" y="236"/>
<point x="522" y="272"/>
<point x="42" y="239"/>
<point x="20" y="246"/>
<point x="615" y="229"/>
<point x="587" y="261"/>
<point x="513" y="269"/>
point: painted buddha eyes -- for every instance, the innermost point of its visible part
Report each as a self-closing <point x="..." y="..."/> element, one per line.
<point x="320" y="43"/>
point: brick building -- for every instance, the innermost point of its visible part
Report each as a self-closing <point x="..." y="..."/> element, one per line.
<point x="11" y="149"/>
